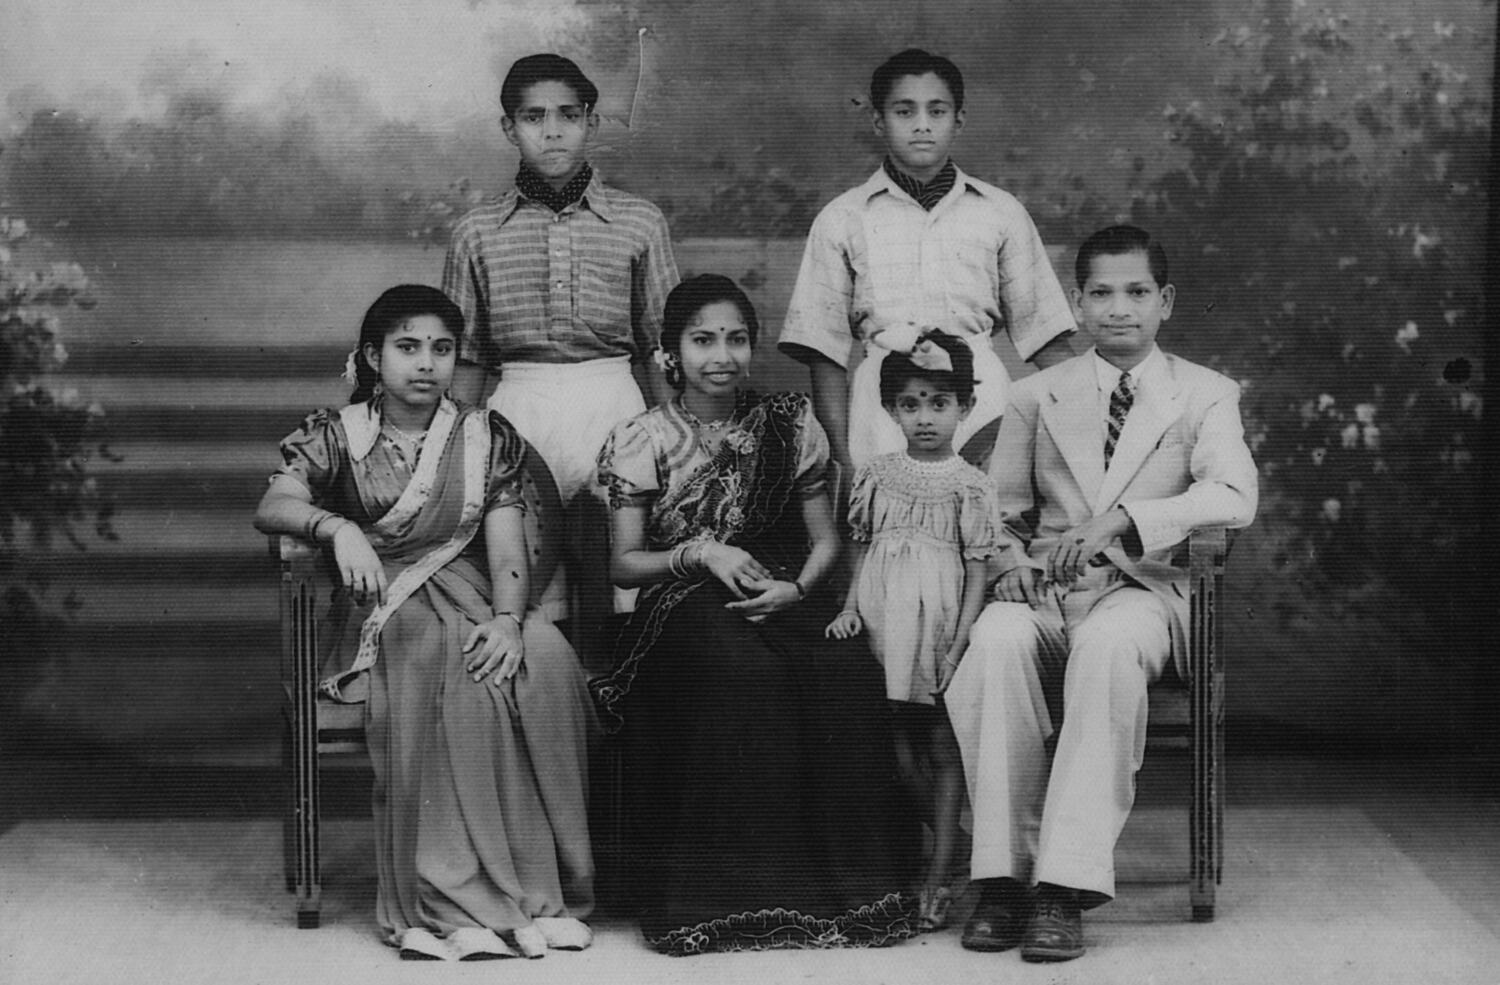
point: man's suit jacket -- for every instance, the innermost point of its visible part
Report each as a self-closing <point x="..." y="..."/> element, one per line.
<point x="1180" y="463"/>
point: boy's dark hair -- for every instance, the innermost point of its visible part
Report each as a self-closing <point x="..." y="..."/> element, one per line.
<point x="528" y="71"/>
<point x="897" y="368"/>
<point x="1112" y="241"/>
<point x="691" y="297"/>
<point x="390" y="311"/>
<point x="914" y="61"/>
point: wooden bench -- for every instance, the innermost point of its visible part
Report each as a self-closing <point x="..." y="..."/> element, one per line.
<point x="1190" y="717"/>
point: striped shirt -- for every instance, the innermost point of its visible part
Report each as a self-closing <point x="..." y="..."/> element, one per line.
<point x="543" y="287"/>
<point x="876" y="259"/>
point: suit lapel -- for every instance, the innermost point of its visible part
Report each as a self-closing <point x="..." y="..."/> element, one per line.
<point x="1071" y="414"/>
<point x="1157" y="405"/>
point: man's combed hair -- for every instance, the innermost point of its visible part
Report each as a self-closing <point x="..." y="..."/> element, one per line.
<point x="914" y="62"/>
<point x="528" y="71"/>
<point x="1113" y="241"/>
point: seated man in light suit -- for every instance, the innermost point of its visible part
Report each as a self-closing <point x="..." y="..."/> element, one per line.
<point x="1103" y="463"/>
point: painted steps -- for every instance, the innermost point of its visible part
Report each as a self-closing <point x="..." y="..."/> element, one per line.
<point x="204" y="354"/>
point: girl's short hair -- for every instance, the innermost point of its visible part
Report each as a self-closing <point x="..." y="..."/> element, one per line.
<point x="897" y="369"/>
<point x="390" y="311"/>
<point x="695" y="294"/>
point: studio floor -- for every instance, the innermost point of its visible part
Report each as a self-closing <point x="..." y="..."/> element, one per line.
<point x="1338" y="870"/>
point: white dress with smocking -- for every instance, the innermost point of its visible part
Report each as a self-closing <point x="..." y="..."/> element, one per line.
<point x="920" y="522"/>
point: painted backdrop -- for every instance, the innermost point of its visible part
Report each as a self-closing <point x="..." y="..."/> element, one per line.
<point x="236" y="181"/>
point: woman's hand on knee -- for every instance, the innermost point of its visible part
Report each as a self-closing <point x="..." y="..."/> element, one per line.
<point x="359" y="566"/>
<point x="771" y="595"/>
<point x="496" y="647"/>
<point x="735" y="567"/>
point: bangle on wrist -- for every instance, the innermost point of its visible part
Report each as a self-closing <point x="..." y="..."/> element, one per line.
<point x="801" y="592"/>
<point x="342" y="523"/>
<point x="310" y="525"/>
<point x="512" y="615"/>
<point x="681" y="565"/>
<point x="850" y="612"/>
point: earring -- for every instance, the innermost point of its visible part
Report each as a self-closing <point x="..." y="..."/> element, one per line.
<point x="377" y="391"/>
<point x="672" y="370"/>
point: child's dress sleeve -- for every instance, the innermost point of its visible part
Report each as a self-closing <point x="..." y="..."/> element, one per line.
<point x="979" y="521"/>
<point x="627" y="465"/>
<point x="313" y="455"/>
<point x="862" y="506"/>
<point x="507" y="455"/>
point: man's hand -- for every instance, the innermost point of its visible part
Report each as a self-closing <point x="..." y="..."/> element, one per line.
<point x="1076" y="548"/>
<point x="1019" y="585"/>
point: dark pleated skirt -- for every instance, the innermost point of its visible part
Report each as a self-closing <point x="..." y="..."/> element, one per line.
<point x="761" y="797"/>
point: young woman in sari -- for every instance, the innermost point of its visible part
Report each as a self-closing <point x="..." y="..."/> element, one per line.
<point x="477" y="714"/>
<point x="760" y="783"/>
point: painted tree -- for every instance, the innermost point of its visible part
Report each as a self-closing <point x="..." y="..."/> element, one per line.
<point x="46" y="440"/>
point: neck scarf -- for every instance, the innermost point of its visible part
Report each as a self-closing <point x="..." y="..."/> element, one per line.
<point x="535" y="187"/>
<point x="929" y="194"/>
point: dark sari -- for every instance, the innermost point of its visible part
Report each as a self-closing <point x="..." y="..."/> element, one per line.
<point x="761" y="797"/>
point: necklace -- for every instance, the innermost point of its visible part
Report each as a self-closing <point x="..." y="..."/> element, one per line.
<point x="411" y="439"/>
<point x="694" y="420"/>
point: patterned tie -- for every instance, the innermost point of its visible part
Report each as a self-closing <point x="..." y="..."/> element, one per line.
<point x="1119" y="405"/>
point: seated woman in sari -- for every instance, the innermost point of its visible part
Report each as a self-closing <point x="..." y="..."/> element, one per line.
<point x="760" y="787"/>
<point x="477" y="713"/>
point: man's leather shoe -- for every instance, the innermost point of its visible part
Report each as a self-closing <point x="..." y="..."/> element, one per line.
<point x="1055" y="932"/>
<point x="998" y="922"/>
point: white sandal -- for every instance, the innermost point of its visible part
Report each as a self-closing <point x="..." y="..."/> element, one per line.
<point x="478" y="944"/>
<point x="530" y="941"/>
<point x="565" y="933"/>
<point x="420" y="944"/>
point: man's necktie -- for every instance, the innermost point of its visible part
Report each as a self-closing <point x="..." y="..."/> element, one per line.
<point x="1119" y="406"/>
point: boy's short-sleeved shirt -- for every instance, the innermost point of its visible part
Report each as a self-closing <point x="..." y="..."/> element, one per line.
<point x="544" y="287"/>
<point x="876" y="258"/>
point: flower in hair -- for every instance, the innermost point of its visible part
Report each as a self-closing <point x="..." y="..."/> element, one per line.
<point x="896" y="338"/>
<point x="930" y="356"/>
<point x="350" y="374"/>
<point x="664" y="360"/>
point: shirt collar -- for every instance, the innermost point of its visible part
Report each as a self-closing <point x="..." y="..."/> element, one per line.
<point x="596" y="198"/>
<point x="1108" y="374"/>
<point x="881" y="182"/>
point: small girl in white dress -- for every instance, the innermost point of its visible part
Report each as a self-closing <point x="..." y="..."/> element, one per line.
<point x="924" y="522"/>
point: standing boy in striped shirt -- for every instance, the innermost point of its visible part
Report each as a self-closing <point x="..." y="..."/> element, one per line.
<point x="918" y="246"/>
<point x="561" y="281"/>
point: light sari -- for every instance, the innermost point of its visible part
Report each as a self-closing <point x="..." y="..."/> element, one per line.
<point x="480" y="790"/>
